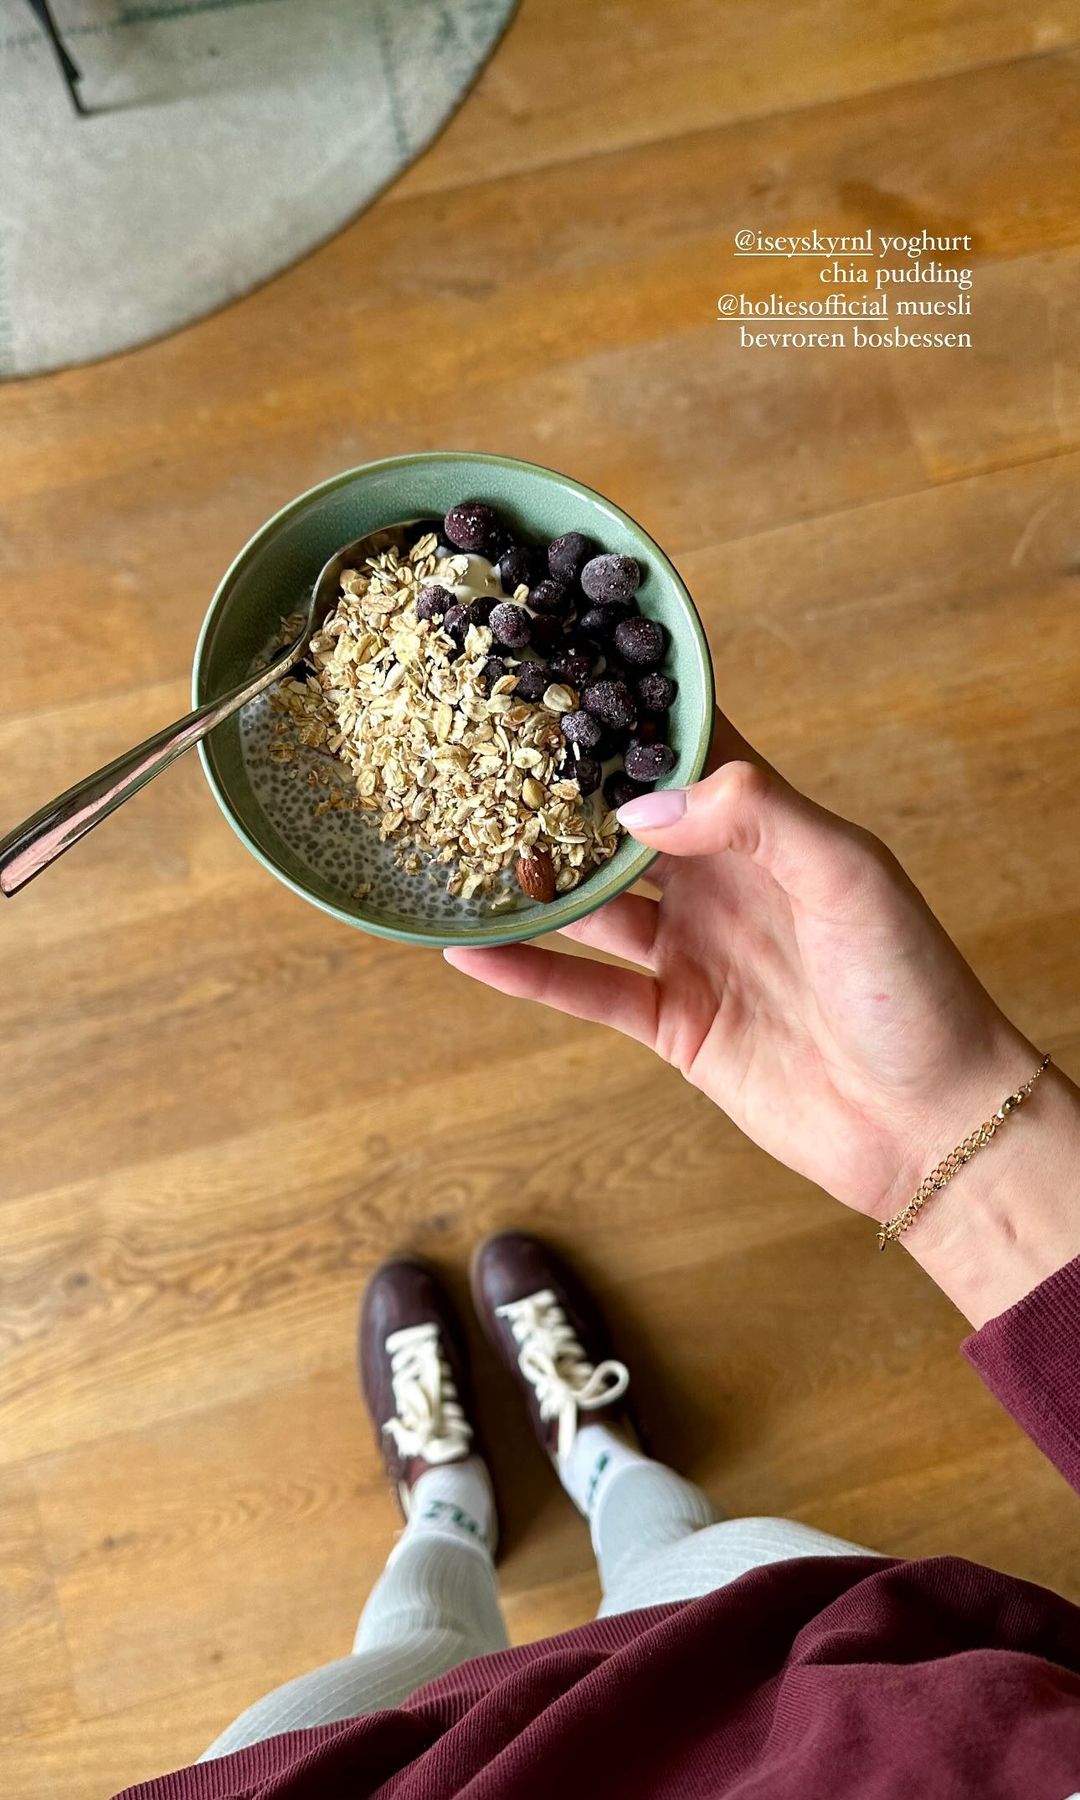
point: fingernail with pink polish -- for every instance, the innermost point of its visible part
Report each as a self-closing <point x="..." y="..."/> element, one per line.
<point x="665" y="807"/>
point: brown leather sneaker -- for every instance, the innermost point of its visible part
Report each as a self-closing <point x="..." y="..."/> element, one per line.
<point x="414" y="1372"/>
<point x="545" y="1326"/>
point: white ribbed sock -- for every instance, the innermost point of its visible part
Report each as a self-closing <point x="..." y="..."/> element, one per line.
<point x="643" y="1510"/>
<point x="454" y="1500"/>
<point x="597" y="1453"/>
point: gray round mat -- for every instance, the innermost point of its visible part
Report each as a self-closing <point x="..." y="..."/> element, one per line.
<point x="227" y="139"/>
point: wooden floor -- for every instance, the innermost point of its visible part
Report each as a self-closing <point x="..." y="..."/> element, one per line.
<point x="220" y="1109"/>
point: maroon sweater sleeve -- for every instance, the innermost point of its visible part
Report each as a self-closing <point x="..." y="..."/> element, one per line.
<point x="1028" y="1358"/>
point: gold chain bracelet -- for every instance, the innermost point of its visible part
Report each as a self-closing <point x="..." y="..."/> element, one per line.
<point x="938" y="1178"/>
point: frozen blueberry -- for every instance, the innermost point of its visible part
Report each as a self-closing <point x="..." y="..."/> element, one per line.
<point x="500" y="543"/>
<point x="582" y="729"/>
<point x="472" y="525"/>
<point x="550" y="597"/>
<point x="493" y="670"/>
<point x="573" y="664"/>
<point x="480" y="610"/>
<point x="517" y="565"/>
<point x="456" y="621"/>
<point x="546" y="631"/>
<point x="432" y="601"/>
<point x="640" y="641"/>
<point x="590" y="774"/>
<point x="656" y="691"/>
<point x="618" y="789"/>
<point x="652" y="728"/>
<point x="585" y="770"/>
<point x="645" y="763"/>
<point x="567" y="556"/>
<point x="533" y="681"/>
<point x="612" y="703"/>
<point x="599" y="622"/>
<point x="511" y="625"/>
<point x="611" y="578"/>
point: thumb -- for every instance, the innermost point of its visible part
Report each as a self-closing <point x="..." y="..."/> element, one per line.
<point x="749" y="809"/>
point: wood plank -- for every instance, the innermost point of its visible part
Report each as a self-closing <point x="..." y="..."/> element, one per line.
<point x="572" y="81"/>
<point x="94" y="1757"/>
<point x="1017" y="393"/>
<point x="124" y="1282"/>
<point x="35" y="1676"/>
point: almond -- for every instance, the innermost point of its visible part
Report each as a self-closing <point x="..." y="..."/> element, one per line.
<point x="536" y="875"/>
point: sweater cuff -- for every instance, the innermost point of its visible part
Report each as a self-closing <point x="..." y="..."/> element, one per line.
<point x="1028" y="1358"/>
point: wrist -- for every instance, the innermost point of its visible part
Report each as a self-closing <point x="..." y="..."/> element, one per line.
<point x="991" y="1060"/>
<point x="1011" y="1216"/>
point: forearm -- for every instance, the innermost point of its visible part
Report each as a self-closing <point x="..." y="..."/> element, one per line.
<point x="1011" y="1216"/>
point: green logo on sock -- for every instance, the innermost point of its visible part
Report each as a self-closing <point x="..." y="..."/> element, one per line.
<point x="449" y="1514"/>
<point x="601" y="1464"/>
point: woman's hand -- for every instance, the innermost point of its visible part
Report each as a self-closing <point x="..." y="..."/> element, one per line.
<point x="792" y="972"/>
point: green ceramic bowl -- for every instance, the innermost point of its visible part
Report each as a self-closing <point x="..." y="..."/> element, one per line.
<point x="274" y="573"/>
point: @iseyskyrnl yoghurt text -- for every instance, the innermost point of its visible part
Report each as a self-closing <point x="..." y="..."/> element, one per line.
<point x="880" y="244"/>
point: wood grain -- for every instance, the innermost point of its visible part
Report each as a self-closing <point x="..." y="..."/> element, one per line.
<point x="576" y="80"/>
<point x="220" y="1110"/>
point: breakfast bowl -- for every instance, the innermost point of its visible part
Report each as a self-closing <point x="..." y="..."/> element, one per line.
<point x="294" y="804"/>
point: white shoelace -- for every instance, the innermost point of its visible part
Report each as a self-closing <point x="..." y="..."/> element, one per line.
<point x="429" y="1421"/>
<point x="554" y="1364"/>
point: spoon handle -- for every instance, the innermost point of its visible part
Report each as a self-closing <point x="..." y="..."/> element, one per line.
<point x="38" y="841"/>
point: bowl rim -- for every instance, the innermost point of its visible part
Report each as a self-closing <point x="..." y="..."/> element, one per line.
<point x="578" y="903"/>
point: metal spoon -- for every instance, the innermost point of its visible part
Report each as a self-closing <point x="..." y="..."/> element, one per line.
<point x="38" y="841"/>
